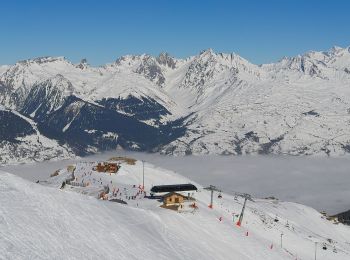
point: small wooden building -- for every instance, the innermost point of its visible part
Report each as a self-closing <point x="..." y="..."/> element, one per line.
<point x="112" y="167"/>
<point x="107" y="167"/>
<point x="333" y="219"/>
<point x="344" y="217"/>
<point x="173" y="198"/>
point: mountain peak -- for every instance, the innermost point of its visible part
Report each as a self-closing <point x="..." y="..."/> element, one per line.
<point x="43" y="60"/>
<point x="60" y="82"/>
<point x="336" y="49"/>
<point x="208" y="51"/>
<point x="165" y="59"/>
<point x="83" y="64"/>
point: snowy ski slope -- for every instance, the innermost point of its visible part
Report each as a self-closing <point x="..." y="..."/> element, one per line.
<point x="40" y="221"/>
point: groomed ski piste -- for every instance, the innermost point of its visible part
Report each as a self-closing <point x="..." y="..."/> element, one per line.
<point x="47" y="221"/>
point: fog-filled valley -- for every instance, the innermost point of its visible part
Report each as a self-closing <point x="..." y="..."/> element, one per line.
<point x="319" y="182"/>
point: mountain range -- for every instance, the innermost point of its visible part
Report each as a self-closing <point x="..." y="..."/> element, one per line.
<point x="210" y="103"/>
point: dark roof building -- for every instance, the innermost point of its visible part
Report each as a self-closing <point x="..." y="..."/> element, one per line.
<point x="173" y="188"/>
<point x="344" y="217"/>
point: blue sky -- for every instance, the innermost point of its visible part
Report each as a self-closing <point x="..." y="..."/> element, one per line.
<point x="261" y="31"/>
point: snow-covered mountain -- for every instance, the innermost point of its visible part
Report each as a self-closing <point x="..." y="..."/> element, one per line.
<point x="276" y="108"/>
<point x="41" y="221"/>
<point x="21" y="141"/>
<point x="209" y="103"/>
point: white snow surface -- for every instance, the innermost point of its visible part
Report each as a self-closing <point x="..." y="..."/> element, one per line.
<point x="44" y="222"/>
<point x="3" y="68"/>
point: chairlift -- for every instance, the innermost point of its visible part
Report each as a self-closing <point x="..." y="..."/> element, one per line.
<point x="324" y="247"/>
<point x="219" y="196"/>
<point x="235" y="198"/>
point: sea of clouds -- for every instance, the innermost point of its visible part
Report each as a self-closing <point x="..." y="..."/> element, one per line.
<point x="320" y="182"/>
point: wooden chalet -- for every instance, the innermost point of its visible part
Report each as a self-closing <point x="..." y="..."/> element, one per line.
<point x="177" y="201"/>
<point x="106" y="167"/>
<point x="173" y="198"/>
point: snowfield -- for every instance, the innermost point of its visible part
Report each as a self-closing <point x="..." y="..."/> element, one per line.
<point x="41" y="221"/>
